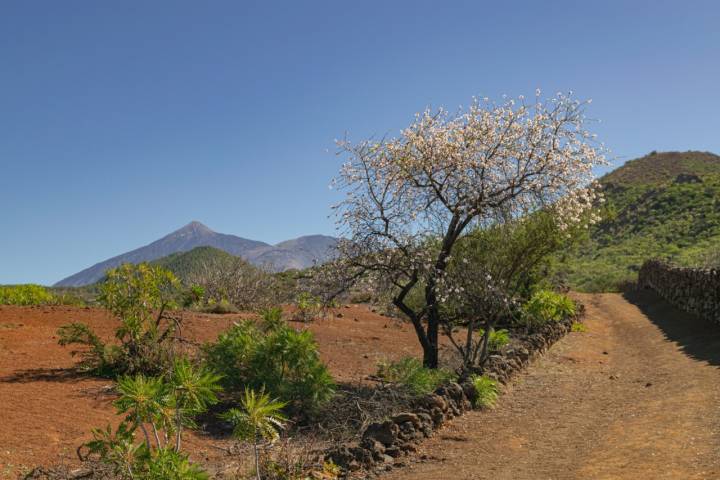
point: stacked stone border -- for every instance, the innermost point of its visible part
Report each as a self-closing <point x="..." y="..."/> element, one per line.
<point x="383" y="443"/>
<point x="694" y="290"/>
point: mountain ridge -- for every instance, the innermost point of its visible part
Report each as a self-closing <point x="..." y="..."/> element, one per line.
<point x="301" y="252"/>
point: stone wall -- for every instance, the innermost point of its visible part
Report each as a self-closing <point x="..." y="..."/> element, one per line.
<point x="383" y="443"/>
<point x="694" y="290"/>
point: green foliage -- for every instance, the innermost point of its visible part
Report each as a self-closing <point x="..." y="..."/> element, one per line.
<point x="487" y="391"/>
<point x="193" y="390"/>
<point x="272" y="318"/>
<point x="31" y="294"/>
<point x="187" y="265"/>
<point x="410" y="373"/>
<point x="497" y="340"/>
<point x="139" y="296"/>
<point x="166" y="404"/>
<point x="578" y="327"/>
<point x="259" y="417"/>
<point x="546" y="306"/>
<point x="279" y="360"/>
<point x="647" y="214"/>
<point x="193" y="296"/>
<point x="134" y="293"/>
<point x="307" y="307"/>
<point x="136" y="461"/>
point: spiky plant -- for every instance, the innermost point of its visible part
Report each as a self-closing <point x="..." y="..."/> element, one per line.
<point x="259" y="418"/>
<point x="194" y="389"/>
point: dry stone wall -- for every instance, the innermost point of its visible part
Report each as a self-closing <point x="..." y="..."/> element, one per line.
<point x="382" y="443"/>
<point x="694" y="290"/>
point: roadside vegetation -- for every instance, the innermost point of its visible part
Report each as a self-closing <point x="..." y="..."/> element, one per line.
<point x="448" y="247"/>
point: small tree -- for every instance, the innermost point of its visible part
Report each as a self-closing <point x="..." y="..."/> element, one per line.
<point x="411" y="199"/>
<point x="259" y="419"/>
<point x="493" y="271"/>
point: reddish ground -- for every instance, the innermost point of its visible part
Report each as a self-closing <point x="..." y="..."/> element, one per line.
<point x="636" y="397"/>
<point x="47" y="410"/>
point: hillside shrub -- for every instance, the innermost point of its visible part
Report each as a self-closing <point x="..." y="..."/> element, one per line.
<point x="307" y="307"/>
<point x="410" y="373"/>
<point x="487" y="391"/>
<point x="546" y="306"/>
<point x="140" y="297"/>
<point x="275" y="358"/>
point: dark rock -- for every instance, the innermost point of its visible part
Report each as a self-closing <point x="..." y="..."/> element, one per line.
<point x="385" y="432"/>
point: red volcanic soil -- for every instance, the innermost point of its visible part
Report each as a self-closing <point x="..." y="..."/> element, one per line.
<point x="48" y="410"/>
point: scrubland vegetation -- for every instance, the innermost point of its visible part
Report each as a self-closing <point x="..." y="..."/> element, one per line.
<point x="663" y="205"/>
<point x="452" y="227"/>
<point x="35" y="295"/>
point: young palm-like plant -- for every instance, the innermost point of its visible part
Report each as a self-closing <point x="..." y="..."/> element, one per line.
<point x="260" y="418"/>
<point x="144" y="400"/>
<point x="194" y="389"/>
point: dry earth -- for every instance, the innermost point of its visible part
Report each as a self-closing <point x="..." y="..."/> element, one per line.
<point x="47" y="411"/>
<point x="636" y="397"/>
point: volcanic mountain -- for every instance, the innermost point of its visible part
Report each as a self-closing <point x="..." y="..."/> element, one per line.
<point x="297" y="253"/>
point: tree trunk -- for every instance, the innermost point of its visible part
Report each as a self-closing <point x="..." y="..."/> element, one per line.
<point x="430" y="353"/>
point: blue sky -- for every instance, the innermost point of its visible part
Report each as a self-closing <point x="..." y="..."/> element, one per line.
<point x="122" y="121"/>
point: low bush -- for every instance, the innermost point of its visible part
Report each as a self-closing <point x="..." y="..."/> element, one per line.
<point x="410" y="373"/>
<point x="578" y="327"/>
<point x="272" y="357"/>
<point x="487" y="391"/>
<point x="307" y="307"/>
<point x="166" y="404"/>
<point x="497" y="339"/>
<point x="546" y="306"/>
<point x="139" y="296"/>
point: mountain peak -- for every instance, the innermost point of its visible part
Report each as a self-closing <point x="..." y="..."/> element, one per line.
<point x="195" y="227"/>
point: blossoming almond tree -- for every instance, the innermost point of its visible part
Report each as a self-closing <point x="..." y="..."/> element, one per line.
<point x="410" y="199"/>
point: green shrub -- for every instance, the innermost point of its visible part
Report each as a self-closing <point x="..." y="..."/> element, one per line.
<point x="497" y="340"/>
<point x="546" y="306"/>
<point x="579" y="327"/>
<point x="487" y="391"/>
<point x="220" y="308"/>
<point x="308" y="307"/>
<point x="279" y="360"/>
<point x="26" y="295"/>
<point x="139" y="296"/>
<point x="410" y="373"/>
<point x="159" y="407"/>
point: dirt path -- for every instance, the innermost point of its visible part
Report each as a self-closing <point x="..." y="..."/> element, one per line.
<point x="637" y="396"/>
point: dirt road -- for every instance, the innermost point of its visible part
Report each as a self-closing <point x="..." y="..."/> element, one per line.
<point x="637" y="396"/>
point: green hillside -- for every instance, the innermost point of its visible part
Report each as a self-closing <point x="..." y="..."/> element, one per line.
<point x="663" y="205"/>
<point x="186" y="265"/>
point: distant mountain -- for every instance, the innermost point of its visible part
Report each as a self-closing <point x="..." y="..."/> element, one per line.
<point x="298" y="253"/>
<point x="663" y="205"/>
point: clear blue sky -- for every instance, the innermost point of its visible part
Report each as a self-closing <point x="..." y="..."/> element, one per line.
<point x="122" y="121"/>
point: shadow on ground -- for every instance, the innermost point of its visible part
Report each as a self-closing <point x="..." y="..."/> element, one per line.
<point x="60" y="375"/>
<point x="698" y="338"/>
